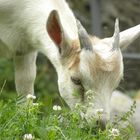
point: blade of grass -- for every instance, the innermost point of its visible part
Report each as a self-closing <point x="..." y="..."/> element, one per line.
<point x="4" y="83"/>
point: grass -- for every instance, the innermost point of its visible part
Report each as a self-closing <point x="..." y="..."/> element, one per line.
<point x="17" y="121"/>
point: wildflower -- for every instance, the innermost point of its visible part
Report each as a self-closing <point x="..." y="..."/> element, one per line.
<point x="77" y="105"/>
<point x="89" y="92"/>
<point x="91" y="104"/>
<point x="89" y="98"/>
<point x="90" y="95"/>
<point x="35" y="104"/>
<point x="83" y="115"/>
<point x="114" y="132"/>
<point x="57" y="107"/>
<point x="28" y="137"/>
<point x="99" y="111"/>
<point x="30" y="96"/>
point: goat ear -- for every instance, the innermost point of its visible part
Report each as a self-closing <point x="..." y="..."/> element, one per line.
<point x="128" y="36"/>
<point x="58" y="34"/>
<point x="54" y="28"/>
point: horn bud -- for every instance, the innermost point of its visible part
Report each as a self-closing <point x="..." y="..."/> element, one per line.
<point x="116" y="36"/>
<point x="84" y="37"/>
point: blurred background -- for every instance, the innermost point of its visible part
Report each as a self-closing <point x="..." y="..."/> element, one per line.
<point x="98" y="17"/>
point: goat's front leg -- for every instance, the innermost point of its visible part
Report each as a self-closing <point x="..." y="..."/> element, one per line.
<point x="25" y="73"/>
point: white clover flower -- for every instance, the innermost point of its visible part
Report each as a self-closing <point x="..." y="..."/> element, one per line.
<point x="99" y="111"/>
<point x="35" y="104"/>
<point x="83" y="115"/>
<point x="30" y="96"/>
<point x="89" y="92"/>
<point x="89" y="98"/>
<point x="57" y="108"/>
<point x="114" y="132"/>
<point x="91" y="104"/>
<point x="28" y="137"/>
<point x="77" y="105"/>
<point x="90" y="95"/>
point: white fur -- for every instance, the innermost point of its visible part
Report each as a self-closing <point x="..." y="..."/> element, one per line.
<point x="121" y="103"/>
<point x="23" y="29"/>
<point x="24" y="23"/>
<point x="23" y="34"/>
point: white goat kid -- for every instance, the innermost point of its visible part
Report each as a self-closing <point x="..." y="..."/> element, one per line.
<point x="49" y="26"/>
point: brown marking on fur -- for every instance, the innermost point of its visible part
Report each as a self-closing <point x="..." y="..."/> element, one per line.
<point x="75" y="44"/>
<point x="94" y="39"/>
<point x="75" y="61"/>
<point x="75" y="56"/>
<point x="108" y="64"/>
<point x="103" y="70"/>
<point x="71" y="55"/>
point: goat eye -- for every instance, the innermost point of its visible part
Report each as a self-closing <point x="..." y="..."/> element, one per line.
<point x="76" y="81"/>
